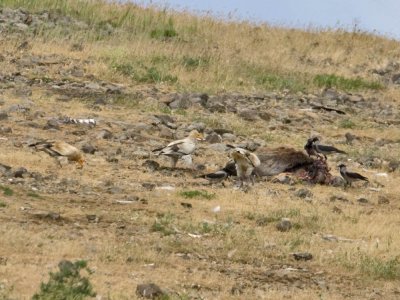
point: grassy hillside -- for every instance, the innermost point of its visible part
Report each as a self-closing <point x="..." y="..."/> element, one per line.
<point x="203" y="54"/>
<point x="126" y="218"/>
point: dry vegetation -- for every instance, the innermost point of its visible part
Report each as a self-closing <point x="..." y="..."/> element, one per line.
<point x="195" y="253"/>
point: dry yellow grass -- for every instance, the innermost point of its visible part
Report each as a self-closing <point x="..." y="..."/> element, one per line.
<point x="236" y="253"/>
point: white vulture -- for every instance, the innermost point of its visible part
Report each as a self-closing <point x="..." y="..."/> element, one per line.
<point x="181" y="149"/>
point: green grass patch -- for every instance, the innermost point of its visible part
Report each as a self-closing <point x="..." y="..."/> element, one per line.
<point x="164" y="224"/>
<point x="280" y="82"/>
<point x="67" y="283"/>
<point x="379" y="268"/>
<point x="195" y="62"/>
<point x="33" y="195"/>
<point x="7" y="191"/>
<point x="347" y="123"/>
<point x="275" y="216"/>
<point x="197" y="194"/>
<point x="166" y="31"/>
<point x="346" y="84"/>
<point x="144" y="74"/>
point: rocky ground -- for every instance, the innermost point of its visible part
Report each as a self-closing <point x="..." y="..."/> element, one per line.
<point x="137" y="221"/>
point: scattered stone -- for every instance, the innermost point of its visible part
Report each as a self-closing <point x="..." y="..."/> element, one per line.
<point x="52" y="124"/>
<point x="362" y="200"/>
<point x="5" y="129"/>
<point x="337" y="210"/>
<point x="92" y="218"/>
<point x="248" y="114"/>
<point x="229" y="137"/>
<point x="186" y="205"/>
<point x="105" y="134"/>
<point x="88" y="148"/>
<point x="218" y="147"/>
<point x="337" y="197"/>
<point x="302" y="256"/>
<point x="165" y="132"/>
<point x="3" y="116"/>
<point x="151" y="165"/>
<point x="283" y="179"/>
<point x="149" y="186"/>
<point x="284" y="225"/>
<point x="393" y="165"/>
<point x="330" y="238"/>
<point x="46" y="215"/>
<point x="149" y="291"/>
<point x="213" y="138"/>
<point x="20" y="172"/>
<point x="199" y="126"/>
<point x="383" y="200"/>
<point x="337" y="181"/>
<point x="303" y="193"/>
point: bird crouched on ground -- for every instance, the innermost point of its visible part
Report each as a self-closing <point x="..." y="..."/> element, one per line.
<point x="245" y="163"/>
<point x="181" y="149"/>
<point x="60" y="149"/>
<point x="221" y="175"/>
<point x="321" y="149"/>
<point x="349" y="177"/>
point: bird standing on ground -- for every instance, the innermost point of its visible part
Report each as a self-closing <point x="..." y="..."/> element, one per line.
<point x="245" y="163"/>
<point x="323" y="149"/>
<point x="60" y="149"/>
<point x="349" y="177"/>
<point x="181" y="148"/>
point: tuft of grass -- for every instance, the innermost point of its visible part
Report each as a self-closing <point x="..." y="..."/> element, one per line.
<point x="7" y="191"/>
<point x="194" y="62"/>
<point x="166" y="31"/>
<point x="347" y="123"/>
<point x="144" y="74"/>
<point x="271" y="81"/>
<point x="33" y="195"/>
<point x="347" y="84"/>
<point x="67" y="283"/>
<point x="197" y="194"/>
<point x="274" y="216"/>
<point x="164" y="224"/>
<point x="2" y="204"/>
<point x="380" y="269"/>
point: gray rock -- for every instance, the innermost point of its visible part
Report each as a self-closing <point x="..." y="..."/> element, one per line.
<point x="249" y="114"/>
<point x="229" y="137"/>
<point x="20" y="172"/>
<point x="284" y="225"/>
<point x="165" y="132"/>
<point x="383" y="200"/>
<point x="180" y="102"/>
<point x="52" y="124"/>
<point x="151" y="165"/>
<point x="337" y="181"/>
<point x="303" y="193"/>
<point x="302" y="256"/>
<point x="337" y="210"/>
<point x="218" y="147"/>
<point x="149" y="291"/>
<point x="5" y="129"/>
<point x="199" y="126"/>
<point x="3" y="116"/>
<point x="213" y="138"/>
<point x="362" y="200"/>
<point x="393" y="165"/>
<point x="216" y="107"/>
<point x="283" y="179"/>
<point x="105" y="134"/>
<point x="88" y="148"/>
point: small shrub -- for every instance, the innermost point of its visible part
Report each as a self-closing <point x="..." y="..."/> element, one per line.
<point x="166" y="32"/>
<point x="279" y="82"/>
<point x="194" y="62"/>
<point x="348" y="84"/>
<point x="380" y="269"/>
<point x="164" y="224"/>
<point x="67" y="283"/>
<point x="347" y="123"/>
<point x="7" y="191"/>
<point x="197" y="194"/>
<point x="33" y="195"/>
